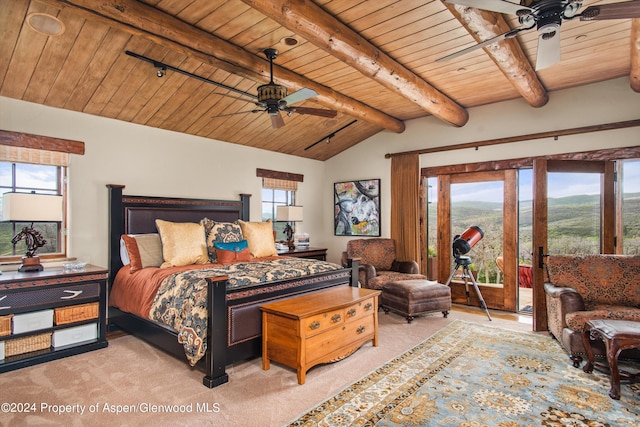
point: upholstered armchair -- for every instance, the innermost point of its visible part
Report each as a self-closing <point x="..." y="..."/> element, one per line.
<point x="586" y="287"/>
<point x="378" y="263"/>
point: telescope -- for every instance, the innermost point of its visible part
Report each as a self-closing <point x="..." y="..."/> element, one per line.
<point x="463" y="243"/>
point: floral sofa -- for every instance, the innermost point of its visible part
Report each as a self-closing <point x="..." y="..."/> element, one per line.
<point x="585" y="287"/>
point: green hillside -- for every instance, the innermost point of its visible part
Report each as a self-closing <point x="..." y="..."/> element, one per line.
<point x="572" y="224"/>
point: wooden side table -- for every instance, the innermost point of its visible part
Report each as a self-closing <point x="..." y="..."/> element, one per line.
<point x="309" y="252"/>
<point x="319" y="327"/>
<point x="617" y="335"/>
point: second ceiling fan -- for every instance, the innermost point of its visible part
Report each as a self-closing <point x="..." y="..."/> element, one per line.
<point x="546" y="16"/>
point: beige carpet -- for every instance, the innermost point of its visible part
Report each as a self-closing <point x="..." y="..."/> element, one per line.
<point x="130" y="375"/>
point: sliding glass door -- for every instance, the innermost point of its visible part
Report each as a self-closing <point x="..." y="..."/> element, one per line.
<point x="573" y="213"/>
<point x="486" y="200"/>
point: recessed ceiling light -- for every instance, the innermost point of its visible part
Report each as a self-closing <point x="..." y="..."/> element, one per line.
<point x="45" y="24"/>
<point x="581" y="37"/>
<point x="461" y="69"/>
<point x="290" y="41"/>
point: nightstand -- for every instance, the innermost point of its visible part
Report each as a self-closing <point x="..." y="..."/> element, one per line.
<point x="311" y="253"/>
<point x="51" y="314"/>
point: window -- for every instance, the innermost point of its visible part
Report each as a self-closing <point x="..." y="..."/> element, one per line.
<point x="278" y="189"/>
<point x="271" y="199"/>
<point x="630" y="207"/>
<point x="27" y="178"/>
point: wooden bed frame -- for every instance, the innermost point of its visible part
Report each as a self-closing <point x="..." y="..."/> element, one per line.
<point x="234" y="329"/>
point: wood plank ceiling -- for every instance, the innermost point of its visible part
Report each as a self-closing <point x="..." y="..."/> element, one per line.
<point x="374" y="62"/>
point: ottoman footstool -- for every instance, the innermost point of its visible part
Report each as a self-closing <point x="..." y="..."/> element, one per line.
<point x="413" y="297"/>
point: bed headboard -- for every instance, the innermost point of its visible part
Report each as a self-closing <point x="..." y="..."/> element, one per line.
<point x="137" y="215"/>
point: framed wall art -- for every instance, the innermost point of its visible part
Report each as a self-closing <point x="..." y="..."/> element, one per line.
<point x="357" y="208"/>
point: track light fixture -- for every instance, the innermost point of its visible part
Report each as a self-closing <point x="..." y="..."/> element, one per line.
<point x="162" y="70"/>
<point x="327" y="138"/>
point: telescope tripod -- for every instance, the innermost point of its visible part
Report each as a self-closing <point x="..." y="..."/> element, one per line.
<point x="464" y="262"/>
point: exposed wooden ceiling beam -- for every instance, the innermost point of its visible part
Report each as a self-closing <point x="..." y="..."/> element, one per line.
<point x="634" y="75"/>
<point x="325" y="31"/>
<point x="139" y="19"/>
<point x="507" y="54"/>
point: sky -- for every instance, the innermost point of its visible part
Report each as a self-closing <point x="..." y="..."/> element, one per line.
<point x="559" y="185"/>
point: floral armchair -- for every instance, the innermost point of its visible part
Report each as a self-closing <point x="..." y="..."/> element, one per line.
<point x="585" y="287"/>
<point x="378" y="263"/>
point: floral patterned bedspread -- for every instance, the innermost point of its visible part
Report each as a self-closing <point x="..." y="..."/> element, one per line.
<point x="181" y="301"/>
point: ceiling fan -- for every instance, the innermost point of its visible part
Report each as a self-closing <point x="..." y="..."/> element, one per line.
<point x="273" y="98"/>
<point x="546" y="16"/>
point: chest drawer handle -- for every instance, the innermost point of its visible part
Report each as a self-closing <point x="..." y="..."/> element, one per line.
<point x="351" y="312"/>
<point x="360" y="330"/>
<point x="368" y="306"/>
<point x="314" y="325"/>
<point x="336" y="318"/>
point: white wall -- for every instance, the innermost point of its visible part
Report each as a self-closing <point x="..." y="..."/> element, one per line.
<point x="161" y="163"/>
<point x="154" y="162"/>
<point x="607" y="102"/>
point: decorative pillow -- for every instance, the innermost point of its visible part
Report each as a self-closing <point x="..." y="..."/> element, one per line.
<point x="183" y="243"/>
<point x="259" y="236"/>
<point x="227" y="253"/>
<point x="142" y="250"/>
<point x="219" y="232"/>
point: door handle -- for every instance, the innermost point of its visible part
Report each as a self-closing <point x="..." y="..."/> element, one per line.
<point x="541" y="255"/>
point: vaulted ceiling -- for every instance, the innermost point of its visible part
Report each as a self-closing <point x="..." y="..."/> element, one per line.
<point x="372" y="62"/>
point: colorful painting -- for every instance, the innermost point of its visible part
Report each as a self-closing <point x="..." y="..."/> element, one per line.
<point x="357" y="208"/>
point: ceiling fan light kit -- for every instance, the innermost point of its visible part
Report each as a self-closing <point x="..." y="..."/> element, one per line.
<point x="547" y="17"/>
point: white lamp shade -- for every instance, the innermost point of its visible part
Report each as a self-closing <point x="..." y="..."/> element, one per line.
<point x="289" y="213"/>
<point x="31" y="207"/>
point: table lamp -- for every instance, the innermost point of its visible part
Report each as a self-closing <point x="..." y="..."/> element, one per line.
<point x="289" y="214"/>
<point x="31" y="207"/>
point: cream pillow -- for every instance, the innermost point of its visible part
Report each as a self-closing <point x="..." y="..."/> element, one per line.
<point x="183" y="243"/>
<point x="259" y="235"/>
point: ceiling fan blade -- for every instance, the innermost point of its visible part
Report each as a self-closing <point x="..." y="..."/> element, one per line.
<point x="507" y="35"/>
<point x="277" y="121"/>
<point x="300" y="95"/>
<point x="314" y="111"/>
<point x="499" y="6"/>
<point x="624" y="10"/>
<point x="548" y="49"/>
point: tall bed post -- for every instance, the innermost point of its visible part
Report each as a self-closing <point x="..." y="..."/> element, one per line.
<point x="116" y="228"/>
<point x="216" y="332"/>
<point x="354" y="265"/>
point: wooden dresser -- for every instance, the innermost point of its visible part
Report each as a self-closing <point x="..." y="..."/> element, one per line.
<point x="320" y="327"/>
<point x="51" y="314"/>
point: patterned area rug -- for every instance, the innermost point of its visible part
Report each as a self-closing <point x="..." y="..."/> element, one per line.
<point x="473" y="375"/>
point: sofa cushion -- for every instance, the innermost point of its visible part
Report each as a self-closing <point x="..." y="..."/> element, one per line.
<point x="599" y="279"/>
<point x="578" y="319"/>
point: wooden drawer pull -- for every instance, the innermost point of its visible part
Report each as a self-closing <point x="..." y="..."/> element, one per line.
<point x="314" y="325"/>
<point x="368" y="306"/>
<point x="360" y="330"/>
<point x="336" y="318"/>
<point x="351" y="312"/>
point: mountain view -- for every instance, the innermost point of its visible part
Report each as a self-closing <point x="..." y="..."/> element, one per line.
<point x="573" y="227"/>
